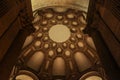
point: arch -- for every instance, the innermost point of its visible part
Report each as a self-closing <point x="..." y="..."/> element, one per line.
<point x="93" y="78"/>
<point x="93" y="75"/>
<point x="24" y="77"/>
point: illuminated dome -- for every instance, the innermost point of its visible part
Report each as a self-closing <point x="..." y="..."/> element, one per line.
<point x="58" y="49"/>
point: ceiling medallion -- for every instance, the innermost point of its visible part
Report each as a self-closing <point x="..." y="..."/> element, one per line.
<point x="59" y="33"/>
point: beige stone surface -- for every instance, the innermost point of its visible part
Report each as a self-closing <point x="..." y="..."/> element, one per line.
<point x="82" y="4"/>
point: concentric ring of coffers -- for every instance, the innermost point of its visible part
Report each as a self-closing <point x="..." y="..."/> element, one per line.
<point x="67" y="13"/>
<point x="71" y="19"/>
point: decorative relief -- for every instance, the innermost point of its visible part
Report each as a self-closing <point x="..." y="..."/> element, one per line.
<point x="59" y="49"/>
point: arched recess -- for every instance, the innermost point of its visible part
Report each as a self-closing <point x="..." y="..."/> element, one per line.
<point x="90" y="42"/>
<point x="28" y="40"/>
<point x="36" y="60"/>
<point x="59" y="66"/>
<point x="82" y="61"/>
